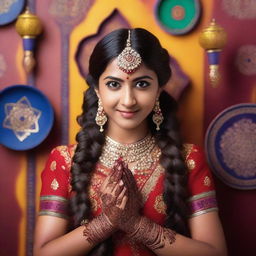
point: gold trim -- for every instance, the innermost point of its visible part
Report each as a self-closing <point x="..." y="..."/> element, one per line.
<point x="54" y="214"/>
<point x="204" y="211"/>
<point x="151" y="182"/>
<point x="64" y="152"/>
<point x="202" y="195"/>
<point x="54" y="198"/>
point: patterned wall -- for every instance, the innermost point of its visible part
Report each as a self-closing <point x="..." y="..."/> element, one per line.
<point x="69" y="25"/>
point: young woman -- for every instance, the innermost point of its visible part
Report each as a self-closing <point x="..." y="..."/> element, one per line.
<point x="129" y="186"/>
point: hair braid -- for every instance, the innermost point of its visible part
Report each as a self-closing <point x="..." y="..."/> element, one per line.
<point x="175" y="185"/>
<point x="89" y="146"/>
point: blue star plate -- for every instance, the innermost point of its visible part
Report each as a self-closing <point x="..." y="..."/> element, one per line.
<point x="230" y="145"/>
<point x="9" y="10"/>
<point x="26" y="117"/>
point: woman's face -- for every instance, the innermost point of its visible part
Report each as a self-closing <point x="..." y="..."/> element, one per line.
<point x="127" y="99"/>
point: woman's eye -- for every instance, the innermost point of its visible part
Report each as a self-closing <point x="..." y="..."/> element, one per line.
<point x="113" y="84"/>
<point x="142" y="84"/>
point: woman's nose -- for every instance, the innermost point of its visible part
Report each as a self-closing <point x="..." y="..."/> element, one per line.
<point x="128" y="97"/>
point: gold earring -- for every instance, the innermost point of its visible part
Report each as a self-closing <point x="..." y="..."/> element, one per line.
<point x="157" y="116"/>
<point x="101" y="117"/>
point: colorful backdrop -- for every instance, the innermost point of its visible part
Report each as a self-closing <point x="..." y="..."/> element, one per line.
<point x="69" y="25"/>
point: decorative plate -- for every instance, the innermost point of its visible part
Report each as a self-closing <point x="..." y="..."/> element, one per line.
<point x="9" y="10"/>
<point x="26" y="117"/>
<point x="230" y="145"/>
<point x="178" y="17"/>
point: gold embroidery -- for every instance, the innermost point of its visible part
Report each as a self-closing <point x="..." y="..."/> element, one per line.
<point x="191" y="164"/>
<point x="53" y="165"/>
<point x="159" y="204"/>
<point x="64" y="152"/>
<point x="151" y="182"/>
<point x="54" y="184"/>
<point x="207" y="181"/>
<point x="94" y="204"/>
<point x="63" y="167"/>
<point x="187" y="150"/>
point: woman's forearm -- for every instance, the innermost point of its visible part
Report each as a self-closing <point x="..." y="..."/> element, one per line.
<point x="190" y="247"/>
<point x="165" y="242"/>
<point x="70" y="244"/>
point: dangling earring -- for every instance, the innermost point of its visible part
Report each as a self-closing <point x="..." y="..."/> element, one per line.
<point x="101" y="117"/>
<point x="157" y="116"/>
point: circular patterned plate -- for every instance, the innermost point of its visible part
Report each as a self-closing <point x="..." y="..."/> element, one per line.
<point x="230" y="145"/>
<point x="9" y="10"/>
<point x="178" y="17"/>
<point x="26" y="117"/>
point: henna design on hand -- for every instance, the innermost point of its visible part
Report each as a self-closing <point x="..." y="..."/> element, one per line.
<point x="152" y="235"/>
<point x="112" y="195"/>
<point x="98" y="229"/>
<point x="108" y="200"/>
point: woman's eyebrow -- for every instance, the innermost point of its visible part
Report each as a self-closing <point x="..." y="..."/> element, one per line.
<point x="142" y="77"/>
<point x="121" y="80"/>
<point x="114" y="78"/>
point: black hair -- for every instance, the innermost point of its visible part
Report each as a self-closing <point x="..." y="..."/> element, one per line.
<point x="90" y="140"/>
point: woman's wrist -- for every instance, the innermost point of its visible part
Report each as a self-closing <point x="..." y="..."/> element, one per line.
<point x="151" y="234"/>
<point x="98" y="229"/>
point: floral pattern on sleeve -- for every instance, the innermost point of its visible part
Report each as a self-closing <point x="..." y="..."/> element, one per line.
<point x="56" y="188"/>
<point x="200" y="182"/>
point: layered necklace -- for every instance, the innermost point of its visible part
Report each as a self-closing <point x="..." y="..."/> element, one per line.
<point x="138" y="152"/>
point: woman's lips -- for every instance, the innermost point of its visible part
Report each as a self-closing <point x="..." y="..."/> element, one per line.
<point x="127" y="114"/>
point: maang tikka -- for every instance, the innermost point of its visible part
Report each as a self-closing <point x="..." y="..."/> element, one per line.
<point x="101" y="117"/>
<point x="129" y="60"/>
<point x="157" y="116"/>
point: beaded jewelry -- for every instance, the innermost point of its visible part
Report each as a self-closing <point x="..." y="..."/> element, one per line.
<point x="129" y="60"/>
<point x="139" y="152"/>
<point x="157" y="116"/>
<point x="101" y="117"/>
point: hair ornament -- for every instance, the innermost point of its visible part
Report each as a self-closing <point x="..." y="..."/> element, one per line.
<point x="128" y="60"/>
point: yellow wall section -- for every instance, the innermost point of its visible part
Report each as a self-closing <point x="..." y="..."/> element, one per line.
<point x="185" y="49"/>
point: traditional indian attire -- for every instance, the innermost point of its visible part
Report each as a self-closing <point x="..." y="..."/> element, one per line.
<point x="56" y="190"/>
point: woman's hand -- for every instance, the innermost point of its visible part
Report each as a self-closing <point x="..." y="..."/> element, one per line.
<point x="131" y="216"/>
<point x="113" y="195"/>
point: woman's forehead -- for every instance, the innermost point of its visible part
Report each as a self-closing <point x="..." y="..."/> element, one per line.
<point x="112" y="69"/>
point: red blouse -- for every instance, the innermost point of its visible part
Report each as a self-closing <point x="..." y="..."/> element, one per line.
<point x="56" y="191"/>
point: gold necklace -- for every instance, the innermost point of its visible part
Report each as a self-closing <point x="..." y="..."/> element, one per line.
<point x="139" y="152"/>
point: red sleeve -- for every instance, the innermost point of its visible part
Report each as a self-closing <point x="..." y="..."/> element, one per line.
<point x="200" y="182"/>
<point x="55" y="190"/>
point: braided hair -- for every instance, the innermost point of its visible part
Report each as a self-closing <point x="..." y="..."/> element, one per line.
<point x="90" y="140"/>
